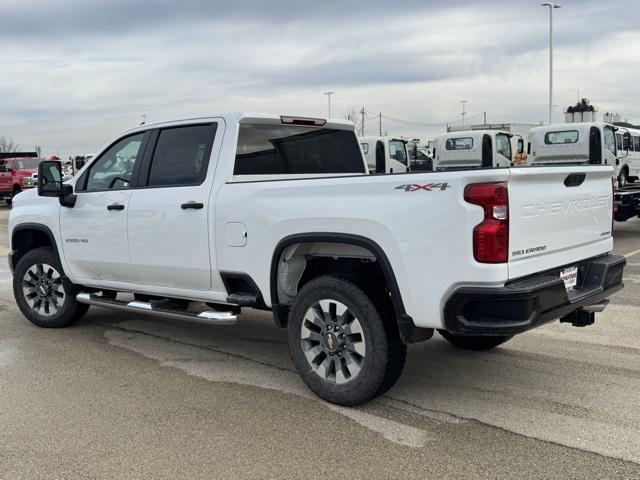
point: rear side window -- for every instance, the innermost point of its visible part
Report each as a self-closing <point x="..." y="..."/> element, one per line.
<point x="465" y="143"/>
<point x="281" y="149"/>
<point x="181" y="156"/>
<point x="555" y="138"/>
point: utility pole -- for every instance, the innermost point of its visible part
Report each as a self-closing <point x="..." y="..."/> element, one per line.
<point x="552" y="7"/>
<point x="328" y="94"/>
<point x="380" y="123"/>
<point x="464" y="111"/>
<point x="144" y="119"/>
<point x="362" y="126"/>
<point x="485" y="117"/>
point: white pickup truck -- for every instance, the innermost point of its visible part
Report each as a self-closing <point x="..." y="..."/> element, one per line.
<point x="195" y="219"/>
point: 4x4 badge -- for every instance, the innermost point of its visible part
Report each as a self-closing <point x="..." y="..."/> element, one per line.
<point x="413" y="187"/>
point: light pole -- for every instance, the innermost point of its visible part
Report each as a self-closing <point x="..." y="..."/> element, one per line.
<point x="464" y="111"/>
<point x="552" y="7"/>
<point x="328" y="94"/>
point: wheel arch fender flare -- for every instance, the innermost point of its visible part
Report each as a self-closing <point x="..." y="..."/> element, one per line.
<point x="408" y="331"/>
<point x="15" y="254"/>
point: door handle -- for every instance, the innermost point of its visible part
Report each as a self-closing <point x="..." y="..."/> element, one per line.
<point x="115" y="206"/>
<point x="192" y="205"/>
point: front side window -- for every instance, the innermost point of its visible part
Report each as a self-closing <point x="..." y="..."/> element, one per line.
<point x="609" y="140"/>
<point x="503" y="145"/>
<point x="365" y="148"/>
<point x="114" y="169"/>
<point x="181" y="156"/>
<point x="265" y="149"/>
<point x="558" y="138"/>
<point x="636" y="144"/>
<point x="625" y="142"/>
<point x="619" y="141"/>
<point x="465" y="143"/>
<point x="398" y="151"/>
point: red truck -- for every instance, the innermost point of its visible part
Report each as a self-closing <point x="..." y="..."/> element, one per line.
<point x="18" y="171"/>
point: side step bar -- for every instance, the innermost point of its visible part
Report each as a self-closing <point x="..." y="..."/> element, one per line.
<point x="209" y="317"/>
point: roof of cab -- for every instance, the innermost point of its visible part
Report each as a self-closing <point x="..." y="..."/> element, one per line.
<point x="243" y="117"/>
<point x="567" y="126"/>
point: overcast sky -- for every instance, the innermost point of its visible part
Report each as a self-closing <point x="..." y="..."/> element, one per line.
<point x="76" y="72"/>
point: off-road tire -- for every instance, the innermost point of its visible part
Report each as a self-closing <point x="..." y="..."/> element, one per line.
<point x="385" y="353"/>
<point x="70" y="310"/>
<point x="475" y="342"/>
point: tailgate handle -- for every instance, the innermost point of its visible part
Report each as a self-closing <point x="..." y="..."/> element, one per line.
<point x="575" y="179"/>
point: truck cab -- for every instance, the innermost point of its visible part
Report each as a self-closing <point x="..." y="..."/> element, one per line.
<point x="385" y="154"/>
<point x="589" y="143"/>
<point x="17" y="173"/>
<point x="474" y="149"/>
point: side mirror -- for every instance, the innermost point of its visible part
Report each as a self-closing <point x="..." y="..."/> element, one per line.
<point x="626" y="140"/>
<point x="4" y="168"/>
<point x="80" y="162"/>
<point x="414" y="152"/>
<point x="50" y="179"/>
<point x="520" y="145"/>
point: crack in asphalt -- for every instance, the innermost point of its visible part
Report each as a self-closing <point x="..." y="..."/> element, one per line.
<point x="414" y="406"/>
<point x="203" y="347"/>
<point x="506" y="430"/>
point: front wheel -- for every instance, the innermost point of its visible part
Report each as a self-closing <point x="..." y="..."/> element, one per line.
<point x="341" y="346"/>
<point x="43" y="294"/>
<point x="475" y="342"/>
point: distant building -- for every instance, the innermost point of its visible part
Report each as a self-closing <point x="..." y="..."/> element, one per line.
<point x="581" y="112"/>
<point x="611" y="118"/>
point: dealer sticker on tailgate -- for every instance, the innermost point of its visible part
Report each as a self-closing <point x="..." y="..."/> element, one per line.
<point x="570" y="278"/>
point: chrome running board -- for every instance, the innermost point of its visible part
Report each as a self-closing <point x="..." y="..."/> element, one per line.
<point x="208" y="317"/>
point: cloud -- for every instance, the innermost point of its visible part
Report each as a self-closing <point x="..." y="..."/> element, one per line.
<point x="77" y="72"/>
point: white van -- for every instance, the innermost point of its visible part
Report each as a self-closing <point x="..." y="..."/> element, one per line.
<point x="385" y="154"/>
<point x="475" y="149"/>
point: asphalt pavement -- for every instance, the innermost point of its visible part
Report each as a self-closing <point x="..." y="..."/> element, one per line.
<point x="122" y="396"/>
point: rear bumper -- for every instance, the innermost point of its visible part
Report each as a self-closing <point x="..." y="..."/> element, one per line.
<point x="529" y="302"/>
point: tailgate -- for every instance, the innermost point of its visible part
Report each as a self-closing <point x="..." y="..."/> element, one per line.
<point x="557" y="216"/>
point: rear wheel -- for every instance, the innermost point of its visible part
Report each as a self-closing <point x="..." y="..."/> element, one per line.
<point x="341" y="346"/>
<point x="43" y="294"/>
<point x="623" y="178"/>
<point x="475" y="342"/>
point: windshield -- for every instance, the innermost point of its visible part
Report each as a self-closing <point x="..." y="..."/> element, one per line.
<point x="27" y="164"/>
<point x="609" y="140"/>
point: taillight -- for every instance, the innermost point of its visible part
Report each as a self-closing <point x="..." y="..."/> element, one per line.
<point x="491" y="237"/>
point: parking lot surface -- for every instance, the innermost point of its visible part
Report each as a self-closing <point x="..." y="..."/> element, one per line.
<point x="124" y="396"/>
